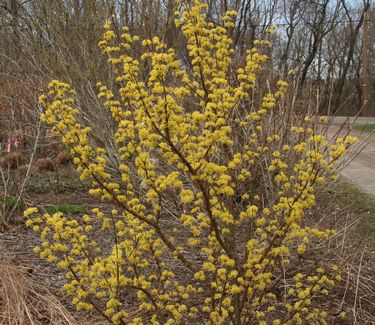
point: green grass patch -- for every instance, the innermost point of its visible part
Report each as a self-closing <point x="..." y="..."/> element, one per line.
<point x="12" y="202"/>
<point x="10" y="208"/>
<point x="70" y="209"/>
<point x="362" y="203"/>
<point x="365" y="127"/>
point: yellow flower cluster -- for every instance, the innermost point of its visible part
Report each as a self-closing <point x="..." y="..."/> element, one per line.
<point x="210" y="204"/>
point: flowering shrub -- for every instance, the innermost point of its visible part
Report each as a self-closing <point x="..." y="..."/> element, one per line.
<point x="210" y="186"/>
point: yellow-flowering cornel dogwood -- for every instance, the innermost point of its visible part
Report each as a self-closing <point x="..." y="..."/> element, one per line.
<point x="210" y="184"/>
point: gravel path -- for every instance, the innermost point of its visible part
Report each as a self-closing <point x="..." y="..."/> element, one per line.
<point x="361" y="170"/>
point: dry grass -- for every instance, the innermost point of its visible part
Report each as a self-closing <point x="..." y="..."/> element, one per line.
<point x="63" y="158"/>
<point x="352" y="214"/>
<point x="45" y="164"/>
<point x="24" y="301"/>
<point x="12" y="160"/>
